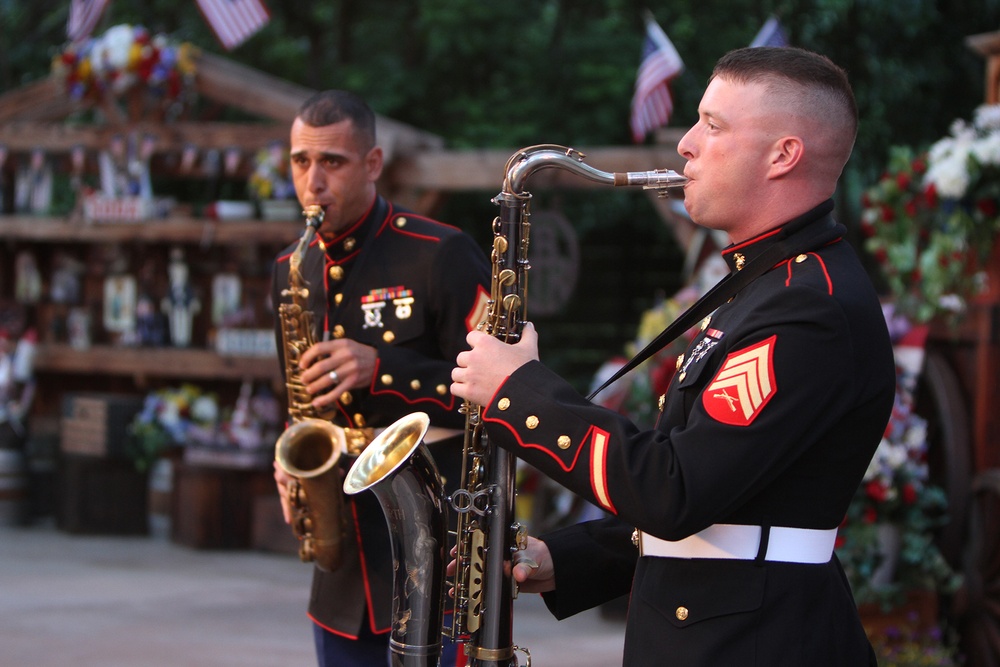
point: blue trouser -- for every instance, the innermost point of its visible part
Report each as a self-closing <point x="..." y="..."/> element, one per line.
<point x="368" y="650"/>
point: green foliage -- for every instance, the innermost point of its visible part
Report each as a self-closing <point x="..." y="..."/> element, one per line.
<point x="505" y="75"/>
<point x="511" y="74"/>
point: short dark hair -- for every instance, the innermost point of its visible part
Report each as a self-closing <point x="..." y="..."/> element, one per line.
<point x="810" y="70"/>
<point x="333" y="106"/>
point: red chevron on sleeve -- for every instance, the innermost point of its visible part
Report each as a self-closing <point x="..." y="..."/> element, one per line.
<point x="743" y="386"/>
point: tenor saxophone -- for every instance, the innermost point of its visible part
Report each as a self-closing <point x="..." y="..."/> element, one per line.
<point x="310" y="448"/>
<point x="487" y="533"/>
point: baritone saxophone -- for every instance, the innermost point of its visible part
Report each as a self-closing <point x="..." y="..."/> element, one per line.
<point x="400" y="471"/>
<point x="310" y="448"/>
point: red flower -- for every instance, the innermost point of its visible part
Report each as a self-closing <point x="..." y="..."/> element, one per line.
<point x="876" y="491"/>
<point x="987" y="207"/>
<point x="871" y="516"/>
<point x="909" y="494"/>
<point x="903" y="180"/>
<point x="888" y="215"/>
<point x="930" y="194"/>
<point x="919" y="166"/>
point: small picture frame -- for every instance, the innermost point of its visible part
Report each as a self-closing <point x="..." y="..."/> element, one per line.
<point x="119" y="303"/>
<point x="227" y="298"/>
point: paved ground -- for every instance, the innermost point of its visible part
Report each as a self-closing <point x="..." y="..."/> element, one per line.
<point x="146" y="602"/>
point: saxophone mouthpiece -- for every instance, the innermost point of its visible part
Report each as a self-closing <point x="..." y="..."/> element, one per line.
<point x="658" y="179"/>
<point x="314" y="215"/>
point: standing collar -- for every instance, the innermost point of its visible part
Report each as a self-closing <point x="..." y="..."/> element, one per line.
<point x="348" y="241"/>
<point x="738" y="254"/>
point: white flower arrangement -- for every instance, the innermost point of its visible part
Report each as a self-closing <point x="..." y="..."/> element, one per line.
<point x="933" y="217"/>
<point x="954" y="161"/>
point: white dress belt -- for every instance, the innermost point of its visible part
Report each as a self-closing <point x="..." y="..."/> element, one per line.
<point x="721" y="540"/>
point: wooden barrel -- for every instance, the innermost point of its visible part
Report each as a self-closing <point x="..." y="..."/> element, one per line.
<point x="13" y="487"/>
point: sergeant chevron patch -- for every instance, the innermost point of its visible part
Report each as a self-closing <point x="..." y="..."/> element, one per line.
<point x="743" y="386"/>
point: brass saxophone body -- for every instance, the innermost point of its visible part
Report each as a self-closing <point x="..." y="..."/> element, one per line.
<point x="487" y="533"/>
<point x="310" y="448"/>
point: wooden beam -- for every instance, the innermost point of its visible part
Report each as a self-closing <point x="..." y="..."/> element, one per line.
<point x="60" y="138"/>
<point x="248" y="89"/>
<point x="44" y="99"/>
<point x="218" y="79"/>
<point x="261" y="94"/>
<point x="987" y="45"/>
<point x="192" y="364"/>
<point x="474" y="169"/>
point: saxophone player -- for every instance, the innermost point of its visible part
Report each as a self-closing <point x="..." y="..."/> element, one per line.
<point x="723" y="516"/>
<point x="393" y="295"/>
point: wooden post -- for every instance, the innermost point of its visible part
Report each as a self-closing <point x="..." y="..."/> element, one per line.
<point x="987" y="45"/>
<point x="986" y="384"/>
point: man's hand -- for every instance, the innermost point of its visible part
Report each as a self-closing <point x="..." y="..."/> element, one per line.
<point x="483" y="368"/>
<point x="533" y="569"/>
<point x="331" y="367"/>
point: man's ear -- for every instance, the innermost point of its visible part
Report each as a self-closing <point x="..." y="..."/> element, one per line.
<point x="374" y="162"/>
<point x="786" y="153"/>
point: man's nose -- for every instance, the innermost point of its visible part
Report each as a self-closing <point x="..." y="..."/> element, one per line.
<point x="685" y="147"/>
<point x="315" y="179"/>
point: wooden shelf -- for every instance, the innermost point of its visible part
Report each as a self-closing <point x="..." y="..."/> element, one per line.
<point x="188" y="364"/>
<point x="170" y="230"/>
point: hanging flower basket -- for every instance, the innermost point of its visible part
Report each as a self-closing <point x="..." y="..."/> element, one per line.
<point x="128" y="63"/>
<point x="932" y="219"/>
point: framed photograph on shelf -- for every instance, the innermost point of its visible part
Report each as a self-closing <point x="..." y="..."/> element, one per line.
<point x="119" y="303"/>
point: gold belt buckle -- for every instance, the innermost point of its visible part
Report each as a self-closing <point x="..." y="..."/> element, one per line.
<point x="358" y="439"/>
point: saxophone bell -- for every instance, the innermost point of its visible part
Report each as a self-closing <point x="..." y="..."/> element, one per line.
<point x="398" y="468"/>
<point x="309" y="451"/>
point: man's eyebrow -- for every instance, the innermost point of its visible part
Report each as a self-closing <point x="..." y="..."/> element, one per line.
<point x="323" y="155"/>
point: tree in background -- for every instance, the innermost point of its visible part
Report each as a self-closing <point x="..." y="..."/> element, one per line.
<point x="505" y="75"/>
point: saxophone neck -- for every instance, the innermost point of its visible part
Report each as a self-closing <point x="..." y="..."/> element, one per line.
<point x="528" y="160"/>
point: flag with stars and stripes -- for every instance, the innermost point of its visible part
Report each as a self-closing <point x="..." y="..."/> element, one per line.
<point x="652" y="103"/>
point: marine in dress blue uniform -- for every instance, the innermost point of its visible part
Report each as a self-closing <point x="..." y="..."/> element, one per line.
<point x="723" y="516"/>
<point x="753" y="409"/>
<point x="414" y="299"/>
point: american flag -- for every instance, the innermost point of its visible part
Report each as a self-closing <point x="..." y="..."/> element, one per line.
<point x="770" y="34"/>
<point x="83" y="18"/>
<point x="234" y="21"/>
<point x="651" y="103"/>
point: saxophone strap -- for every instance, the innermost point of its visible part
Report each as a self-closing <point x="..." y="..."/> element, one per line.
<point x="792" y="241"/>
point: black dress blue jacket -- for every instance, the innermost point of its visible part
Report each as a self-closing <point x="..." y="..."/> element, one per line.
<point x="771" y="419"/>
